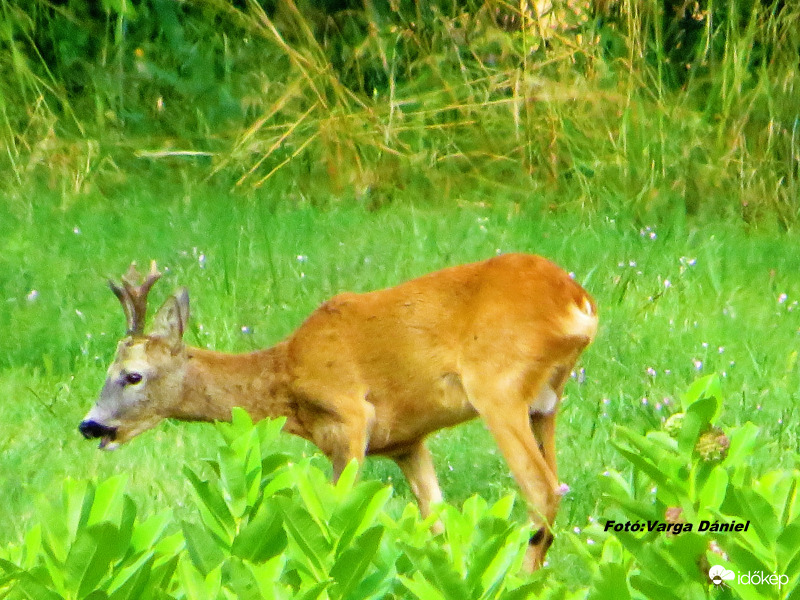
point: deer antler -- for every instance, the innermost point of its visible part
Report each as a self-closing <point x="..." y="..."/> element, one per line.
<point x="133" y="297"/>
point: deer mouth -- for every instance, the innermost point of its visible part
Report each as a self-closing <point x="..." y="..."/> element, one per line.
<point x="107" y="443"/>
<point x="93" y="430"/>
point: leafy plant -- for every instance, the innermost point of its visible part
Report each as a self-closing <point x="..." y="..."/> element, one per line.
<point x="692" y="502"/>
<point x="90" y="545"/>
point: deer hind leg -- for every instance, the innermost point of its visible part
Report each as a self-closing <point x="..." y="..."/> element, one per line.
<point x="543" y="411"/>
<point x="506" y="409"/>
<point x="417" y="466"/>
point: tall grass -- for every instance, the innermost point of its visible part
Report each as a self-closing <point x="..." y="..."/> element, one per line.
<point x="650" y="108"/>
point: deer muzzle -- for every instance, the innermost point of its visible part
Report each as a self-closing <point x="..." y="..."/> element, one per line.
<point x="92" y="430"/>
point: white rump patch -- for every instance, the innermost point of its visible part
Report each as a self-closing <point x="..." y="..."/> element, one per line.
<point x="581" y="320"/>
<point x="545" y="402"/>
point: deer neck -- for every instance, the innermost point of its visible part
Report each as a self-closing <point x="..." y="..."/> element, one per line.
<point x="215" y="382"/>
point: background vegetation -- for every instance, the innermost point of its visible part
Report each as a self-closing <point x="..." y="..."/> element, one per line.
<point x="272" y="154"/>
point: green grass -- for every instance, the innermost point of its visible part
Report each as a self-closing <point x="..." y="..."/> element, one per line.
<point x="256" y="268"/>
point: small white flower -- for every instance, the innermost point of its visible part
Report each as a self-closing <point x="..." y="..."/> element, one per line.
<point x="301" y="258"/>
<point x="246" y="329"/>
<point x="667" y="283"/>
<point x="698" y="364"/>
<point x="563" y="489"/>
<point x="651" y="371"/>
<point x="782" y="298"/>
<point x="32" y="296"/>
<point x="76" y="230"/>
<point x="202" y="261"/>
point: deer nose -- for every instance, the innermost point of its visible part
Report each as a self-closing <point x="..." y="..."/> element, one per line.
<point x="93" y="429"/>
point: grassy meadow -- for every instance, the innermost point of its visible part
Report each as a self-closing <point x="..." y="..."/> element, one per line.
<point x="676" y="302"/>
<point x="662" y="174"/>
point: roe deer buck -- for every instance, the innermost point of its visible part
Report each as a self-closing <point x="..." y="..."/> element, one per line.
<point x="376" y="373"/>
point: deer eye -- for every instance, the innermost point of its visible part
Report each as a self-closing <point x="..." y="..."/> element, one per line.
<point x="132" y="378"/>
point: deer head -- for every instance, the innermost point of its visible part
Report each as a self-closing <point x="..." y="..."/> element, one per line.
<point x="147" y="368"/>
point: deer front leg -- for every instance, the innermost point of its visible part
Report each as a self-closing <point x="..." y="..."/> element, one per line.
<point x="417" y="466"/>
<point x="343" y="435"/>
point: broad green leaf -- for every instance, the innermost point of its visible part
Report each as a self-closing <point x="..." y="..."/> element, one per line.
<point x="31" y="586"/>
<point x="352" y="564"/>
<point x="503" y="507"/>
<point x="212" y="506"/>
<point x="129" y="582"/>
<point x="658" y="450"/>
<point x="651" y="589"/>
<point x="269" y="430"/>
<point x="306" y="533"/>
<point x="268" y="574"/>
<point x="263" y="536"/>
<point x="202" y="548"/>
<point x="611" y="584"/>
<point x="422" y="588"/>
<point x="510" y="554"/>
<point x="697" y="419"/>
<point x="788" y="549"/>
<point x="272" y="462"/>
<point x="239" y="425"/>
<point x="755" y="508"/>
<point x="707" y="387"/>
<point x="347" y="479"/>
<point x="108" y="500"/>
<point x="197" y="586"/>
<point x="147" y="533"/>
<point x="358" y="511"/>
<point x="681" y="554"/>
<point x="90" y="557"/>
<point x="713" y="492"/>
<point x="527" y="591"/>
<point x="664" y="481"/>
<point x="743" y="440"/>
<point x="312" y="486"/>
<point x="313" y="592"/>
<point x="61" y="519"/>
<point x="234" y="481"/>
<point x="432" y="563"/>
<point x="241" y="580"/>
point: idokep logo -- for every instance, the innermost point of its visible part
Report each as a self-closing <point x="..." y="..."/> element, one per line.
<point x="718" y="574"/>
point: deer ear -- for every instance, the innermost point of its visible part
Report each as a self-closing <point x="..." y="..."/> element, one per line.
<point x="170" y="320"/>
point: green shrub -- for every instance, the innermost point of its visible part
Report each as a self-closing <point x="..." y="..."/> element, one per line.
<point x="266" y="528"/>
<point x="269" y="528"/>
<point x="694" y="472"/>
